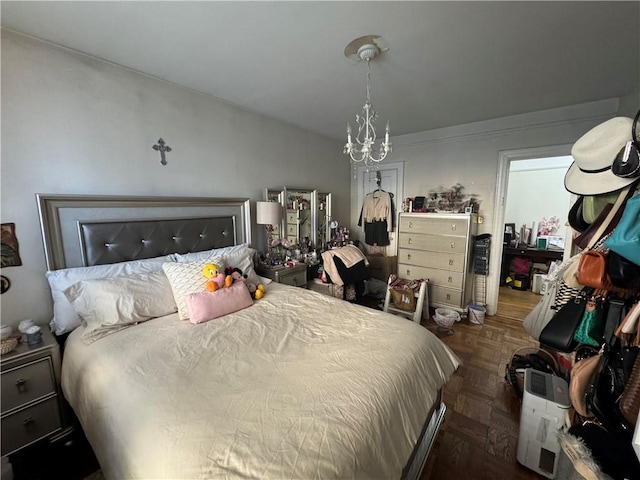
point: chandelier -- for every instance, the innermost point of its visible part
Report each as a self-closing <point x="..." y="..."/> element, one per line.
<point x="362" y="147"/>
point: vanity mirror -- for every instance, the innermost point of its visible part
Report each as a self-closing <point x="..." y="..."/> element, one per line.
<point x="299" y="215"/>
<point x="323" y="216"/>
<point x="305" y="216"/>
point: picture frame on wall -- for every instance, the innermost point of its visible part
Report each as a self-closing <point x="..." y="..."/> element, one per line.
<point x="9" y="245"/>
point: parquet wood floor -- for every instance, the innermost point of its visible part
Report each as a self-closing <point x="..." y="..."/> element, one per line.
<point x="479" y="435"/>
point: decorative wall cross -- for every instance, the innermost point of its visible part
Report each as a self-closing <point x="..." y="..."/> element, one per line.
<point x="160" y="147"/>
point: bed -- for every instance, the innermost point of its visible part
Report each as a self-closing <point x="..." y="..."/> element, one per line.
<point x="297" y="385"/>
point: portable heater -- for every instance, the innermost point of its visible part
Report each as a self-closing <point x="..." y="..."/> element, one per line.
<point x="544" y="405"/>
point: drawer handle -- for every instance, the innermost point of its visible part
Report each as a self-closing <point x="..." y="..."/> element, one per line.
<point x="450" y="279"/>
<point x="409" y="241"/>
<point x="451" y="261"/>
<point x="29" y="423"/>
<point x="453" y="226"/>
<point x="410" y="224"/>
<point x="408" y="256"/>
<point x="448" y="296"/>
<point x="453" y="244"/>
<point x="408" y="272"/>
<point x="21" y="385"/>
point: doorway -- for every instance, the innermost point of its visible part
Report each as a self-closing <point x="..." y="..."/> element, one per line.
<point x="392" y="181"/>
<point x="535" y="160"/>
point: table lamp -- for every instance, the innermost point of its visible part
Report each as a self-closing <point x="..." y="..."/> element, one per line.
<point x="268" y="214"/>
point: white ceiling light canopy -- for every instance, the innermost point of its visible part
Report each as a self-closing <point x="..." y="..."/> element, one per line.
<point x="364" y="149"/>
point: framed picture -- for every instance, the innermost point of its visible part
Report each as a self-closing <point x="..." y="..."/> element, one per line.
<point x="9" y="244"/>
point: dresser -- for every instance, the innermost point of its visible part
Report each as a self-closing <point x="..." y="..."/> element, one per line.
<point x="438" y="247"/>
<point x="31" y="400"/>
<point x="295" y="276"/>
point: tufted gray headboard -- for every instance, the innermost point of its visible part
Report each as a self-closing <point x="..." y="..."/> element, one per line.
<point x="82" y="230"/>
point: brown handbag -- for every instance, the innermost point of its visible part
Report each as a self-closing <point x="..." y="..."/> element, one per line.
<point x="629" y="403"/>
<point x="583" y="375"/>
<point x="592" y="270"/>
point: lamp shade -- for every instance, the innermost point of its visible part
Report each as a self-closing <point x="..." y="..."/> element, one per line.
<point x="268" y="213"/>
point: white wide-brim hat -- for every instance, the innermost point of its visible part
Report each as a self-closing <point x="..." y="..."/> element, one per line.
<point x="593" y="154"/>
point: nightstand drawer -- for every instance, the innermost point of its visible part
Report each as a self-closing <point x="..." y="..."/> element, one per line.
<point x="28" y="425"/>
<point x="26" y="383"/>
<point x="297" y="280"/>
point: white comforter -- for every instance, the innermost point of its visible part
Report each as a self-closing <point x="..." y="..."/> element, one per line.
<point x="298" y="386"/>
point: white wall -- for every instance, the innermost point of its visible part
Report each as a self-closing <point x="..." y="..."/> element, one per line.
<point x="469" y="154"/>
<point x="74" y="124"/>
<point x="537" y="193"/>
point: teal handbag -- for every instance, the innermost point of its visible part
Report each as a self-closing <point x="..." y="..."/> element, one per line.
<point x="625" y="239"/>
<point x="591" y="328"/>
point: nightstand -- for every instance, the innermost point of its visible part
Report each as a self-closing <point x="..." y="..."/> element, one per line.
<point x="295" y="276"/>
<point x="31" y="400"/>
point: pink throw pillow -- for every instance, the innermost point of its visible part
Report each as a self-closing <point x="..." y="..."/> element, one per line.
<point x="205" y="306"/>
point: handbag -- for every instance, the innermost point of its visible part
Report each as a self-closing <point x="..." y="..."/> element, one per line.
<point x="559" y="331"/>
<point x="625" y="239"/>
<point x="591" y="327"/>
<point x="609" y="383"/>
<point x="592" y="270"/>
<point x="570" y="273"/>
<point x="622" y="272"/>
<point x="583" y="374"/>
<point x="629" y="402"/>
<point x="540" y="315"/>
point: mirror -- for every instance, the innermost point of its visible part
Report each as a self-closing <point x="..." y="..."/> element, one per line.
<point x="298" y="216"/>
<point x="323" y="216"/>
<point x="306" y="216"/>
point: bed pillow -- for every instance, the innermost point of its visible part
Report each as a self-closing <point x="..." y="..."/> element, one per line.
<point x="65" y="319"/>
<point x="205" y="306"/>
<point x="216" y="252"/>
<point x="187" y="278"/>
<point x="243" y="259"/>
<point x="110" y="304"/>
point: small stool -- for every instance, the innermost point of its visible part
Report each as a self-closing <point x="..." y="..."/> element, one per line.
<point x="421" y="295"/>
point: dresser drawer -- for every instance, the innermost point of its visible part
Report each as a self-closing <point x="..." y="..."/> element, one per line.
<point x="26" y="426"/>
<point x="435" y="226"/>
<point x="433" y="243"/>
<point x="435" y="276"/>
<point x="445" y="296"/>
<point x="297" y="280"/>
<point x="26" y="383"/>
<point x="292" y="229"/>
<point x="292" y="217"/>
<point x="444" y="261"/>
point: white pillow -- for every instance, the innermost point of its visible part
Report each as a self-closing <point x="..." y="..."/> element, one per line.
<point x="111" y="304"/>
<point x="243" y="259"/>
<point x="216" y="252"/>
<point x="65" y="318"/>
<point x="187" y="278"/>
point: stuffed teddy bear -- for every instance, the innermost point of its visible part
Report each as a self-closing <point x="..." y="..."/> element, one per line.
<point x="215" y="278"/>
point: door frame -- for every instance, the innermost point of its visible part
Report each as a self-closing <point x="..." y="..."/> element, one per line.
<point x="505" y="158"/>
<point x="399" y="194"/>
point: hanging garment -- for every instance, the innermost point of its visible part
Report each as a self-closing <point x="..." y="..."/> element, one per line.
<point x="378" y="214"/>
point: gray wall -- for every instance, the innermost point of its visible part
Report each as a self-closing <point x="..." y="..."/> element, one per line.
<point x="74" y="124"/>
<point x="469" y="154"/>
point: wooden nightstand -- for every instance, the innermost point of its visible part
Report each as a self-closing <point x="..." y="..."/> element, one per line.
<point x="295" y="276"/>
<point x="31" y="400"/>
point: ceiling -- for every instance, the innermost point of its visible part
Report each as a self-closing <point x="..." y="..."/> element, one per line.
<point x="449" y="63"/>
